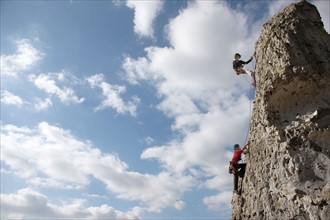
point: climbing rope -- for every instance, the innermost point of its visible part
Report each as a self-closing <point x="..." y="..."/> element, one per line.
<point x="250" y="114"/>
<point x="250" y="104"/>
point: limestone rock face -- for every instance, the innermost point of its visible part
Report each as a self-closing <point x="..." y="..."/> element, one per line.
<point x="288" y="167"/>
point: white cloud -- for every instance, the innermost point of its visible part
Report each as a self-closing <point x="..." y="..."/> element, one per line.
<point x="95" y="196"/>
<point x="137" y="70"/>
<point x="196" y="81"/>
<point x="25" y="57"/>
<point x="112" y="96"/>
<point x="220" y="201"/>
<point x="48" y="83"/>
<point x="149" y="140"/>
<point x="41" y="105"/>
<point x="2" y="170"/>
<point x="178" y="104"/>
<point x="9" y="98"/>
<point x="205" y="145"/>
<point x="199" y="90"/>
<point x="144" y="14"/>
<point x="203" y="39"/>
<point x="27" y="203"/>
<point x="179" y="205"/>
<point x="53" y="157"/>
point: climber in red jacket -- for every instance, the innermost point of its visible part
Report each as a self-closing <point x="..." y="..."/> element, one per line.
<point x="238" y="169"/>
<point x="238" y="66"/>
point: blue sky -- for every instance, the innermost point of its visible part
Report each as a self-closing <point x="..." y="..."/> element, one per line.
<point x="124" y="109"/>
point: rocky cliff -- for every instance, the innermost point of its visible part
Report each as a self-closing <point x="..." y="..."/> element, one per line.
<point x="288" y="171"/>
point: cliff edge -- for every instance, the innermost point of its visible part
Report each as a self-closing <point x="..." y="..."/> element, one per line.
<point x="288" y="167"/>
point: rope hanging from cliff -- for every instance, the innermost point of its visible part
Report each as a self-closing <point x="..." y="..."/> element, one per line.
<point x="249" y="120"/>
<point x="250" y="105"/>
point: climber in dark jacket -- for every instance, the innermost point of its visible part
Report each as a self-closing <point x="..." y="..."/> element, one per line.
<point x="238" y="66"/>
<point x="238" y="168"/>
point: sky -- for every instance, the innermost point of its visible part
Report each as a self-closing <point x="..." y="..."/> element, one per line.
<point x="124" y="109"/>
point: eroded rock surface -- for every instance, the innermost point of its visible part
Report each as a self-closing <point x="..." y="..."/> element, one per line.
<point x="288" y="172"/>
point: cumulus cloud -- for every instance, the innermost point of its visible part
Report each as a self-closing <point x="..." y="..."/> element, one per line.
<point x="202" y="40"/>
<point x="144" y="14"/>
<point x="32" y="204"/>
<point x="219" y="201"/>
<point x="204" y="146"/>
<point x="112" y="96"/>
<point x="179" y="205"/>
<point x="53" y="157"/>
<point x="42" y="104"/>
<point x="9" y="98"/>
<point x="193" y="75"/>
<point x="199" y="90"/>
<point x="137" y="70"/>
<point x="25" y="57"/>
<point x="49" y="84"/>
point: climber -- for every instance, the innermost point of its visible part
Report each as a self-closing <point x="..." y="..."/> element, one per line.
<point x="238" y="66"/>
<point x="238" y="169"/>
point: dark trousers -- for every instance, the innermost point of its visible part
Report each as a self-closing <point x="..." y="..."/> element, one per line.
<point x="240" y="171"/>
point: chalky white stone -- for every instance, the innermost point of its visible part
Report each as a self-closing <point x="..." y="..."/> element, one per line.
<point x="288" y="171"/>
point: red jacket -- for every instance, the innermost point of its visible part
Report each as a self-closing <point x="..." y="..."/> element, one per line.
<point x="237" y="155"/>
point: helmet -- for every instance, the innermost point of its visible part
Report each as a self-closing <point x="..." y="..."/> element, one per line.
<point x="237" y="54"/>
<point x="236" y="146"/>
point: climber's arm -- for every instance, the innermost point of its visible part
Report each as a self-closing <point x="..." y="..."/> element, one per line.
<point x="246" y="146"/>
<point x="246" y="62"/>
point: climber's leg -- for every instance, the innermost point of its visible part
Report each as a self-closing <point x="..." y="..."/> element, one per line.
<point x="252" y="74"/>
<point x="241" y="167"/>
<point x="236" y="183"/>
